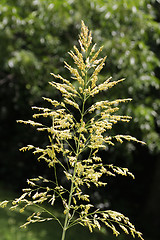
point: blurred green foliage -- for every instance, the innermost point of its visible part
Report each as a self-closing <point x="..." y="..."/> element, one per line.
<point x="35" y="36"/>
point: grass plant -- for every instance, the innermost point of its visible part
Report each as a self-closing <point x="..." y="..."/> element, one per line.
<point x="80" y="128"/>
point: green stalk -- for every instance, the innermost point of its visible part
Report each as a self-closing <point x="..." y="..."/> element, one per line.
<point x="69" y="203"/>
<point x="66" y="222"/>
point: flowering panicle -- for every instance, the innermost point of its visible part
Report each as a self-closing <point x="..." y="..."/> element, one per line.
<point x="78" y="130"/>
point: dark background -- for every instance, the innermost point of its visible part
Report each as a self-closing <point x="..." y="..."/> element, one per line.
<point x="35" y="37"/>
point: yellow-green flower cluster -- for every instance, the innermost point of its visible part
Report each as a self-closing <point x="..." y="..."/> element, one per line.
<point x="79" y="129"/>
